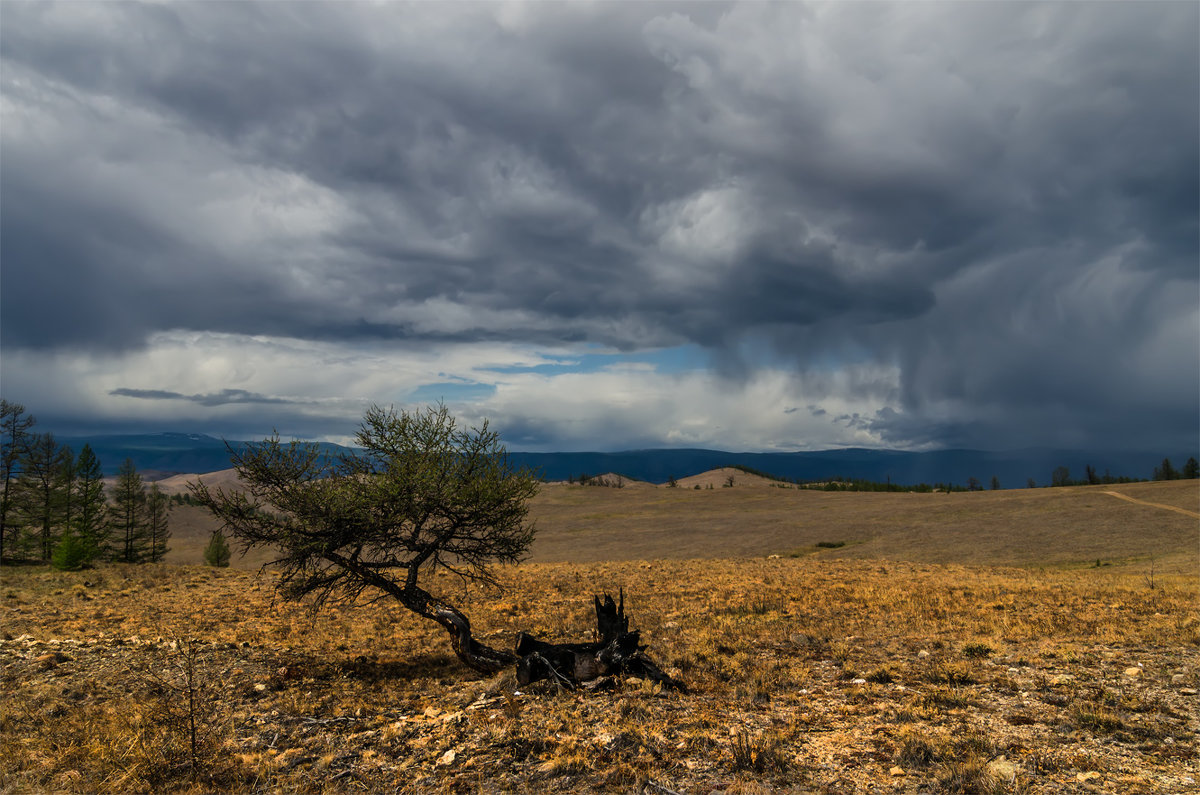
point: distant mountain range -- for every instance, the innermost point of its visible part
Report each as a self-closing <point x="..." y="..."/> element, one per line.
<point x="163" y="454"/>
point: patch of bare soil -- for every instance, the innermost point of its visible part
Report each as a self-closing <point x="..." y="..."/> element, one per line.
<point x="724" y="477"/>
<point x="805" y="675"/>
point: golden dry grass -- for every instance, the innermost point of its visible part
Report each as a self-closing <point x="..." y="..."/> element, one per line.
<point x="1043" y="527"/>
<point x="806" y="674"/>
<point x="896" y="663"/>
<point x="1062" y="527"/>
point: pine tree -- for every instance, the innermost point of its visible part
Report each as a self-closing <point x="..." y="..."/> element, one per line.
<point x="1060" y="477"/>
<point x="14" y="434"/>
<point x="217" y="552"/>
<point x="90" y="524"/>
<point x="127" y="521"/>
<point x="1191" y="469"/>
<point x="1166" y="471"/>
<point x="157" y="524"/>
<point x="65" y="486"/>
<point x="41" y="495"/>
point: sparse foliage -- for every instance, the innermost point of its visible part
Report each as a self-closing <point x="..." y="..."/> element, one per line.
<point x="14" y="434"/>
<point x="158" y="529"/>
<point x="422" y="494"/>
<point x="43" y="494"/>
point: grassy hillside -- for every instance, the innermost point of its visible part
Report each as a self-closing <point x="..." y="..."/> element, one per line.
<point x="1065" y="527"/>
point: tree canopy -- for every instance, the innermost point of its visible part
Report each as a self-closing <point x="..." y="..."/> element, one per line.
<point x="421" y="493"/>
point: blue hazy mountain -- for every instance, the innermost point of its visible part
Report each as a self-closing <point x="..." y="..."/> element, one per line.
<point x="1013" y="468"/>
<point x="169" y="453"/>
<point x="164" y="453"/>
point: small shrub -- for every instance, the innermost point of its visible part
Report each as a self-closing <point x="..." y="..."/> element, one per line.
<point x="918" y="749"/>
<point x="976" y="651"/>
<point x="947" y="673"/>
<point x="72" y="553"/>
<point x="881" y="676"/>
<point x="760" y="755"/>
<point x="830" y="544"/>
<point x="217" y="552"/>
<point x="968" y="776"/>
<point x="1097" y="719"/>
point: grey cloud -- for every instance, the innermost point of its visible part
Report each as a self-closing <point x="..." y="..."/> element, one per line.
<point x="977" y="194"/>
<point x="223" y="398"/>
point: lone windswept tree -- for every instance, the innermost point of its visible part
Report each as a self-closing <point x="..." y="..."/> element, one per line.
<point x="422" y="493"/>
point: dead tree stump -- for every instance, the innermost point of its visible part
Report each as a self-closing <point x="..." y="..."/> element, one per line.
<point x="618" y="652"/>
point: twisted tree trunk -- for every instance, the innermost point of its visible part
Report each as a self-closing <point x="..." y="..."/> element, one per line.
<point x="569" y="664"/>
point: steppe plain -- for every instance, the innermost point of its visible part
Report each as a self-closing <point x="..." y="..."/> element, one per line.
<point x="1031" y="641"/>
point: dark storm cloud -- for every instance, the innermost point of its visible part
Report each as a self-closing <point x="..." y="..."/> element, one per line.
<point x="223" y="398"/>
<point x="1000" y="200"/>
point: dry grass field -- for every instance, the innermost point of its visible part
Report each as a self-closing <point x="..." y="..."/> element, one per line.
<point x="955" y="643"/>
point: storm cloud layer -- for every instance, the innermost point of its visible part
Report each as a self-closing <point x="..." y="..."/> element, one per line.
<point x="909" y="225"/>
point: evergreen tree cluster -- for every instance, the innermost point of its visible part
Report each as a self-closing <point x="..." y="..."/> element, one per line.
<point x="54" y="509"/>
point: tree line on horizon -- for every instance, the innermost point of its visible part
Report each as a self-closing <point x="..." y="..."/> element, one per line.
<point x="1061" y="476"/>
<point x="54" y="507"/>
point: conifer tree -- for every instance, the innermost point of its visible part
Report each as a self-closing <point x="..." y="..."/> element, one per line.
<point x="217" y="552"/>
<point x="14" y="433"/>
<point x="1166" y="471"/>
<point x="158" y="528"/>
<point x="127" y="521"/>
<point x="40" y="495"/>
<point x="90" y="524"/>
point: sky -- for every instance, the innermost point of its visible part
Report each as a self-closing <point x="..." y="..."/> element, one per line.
<point x="607" y="226"/>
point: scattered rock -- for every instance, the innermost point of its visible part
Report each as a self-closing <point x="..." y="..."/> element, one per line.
<point x="446" y="759"/>
<point x="1188" y="691"/>
<point x="1133" y="672"/>
<point x="897" y="771"/>
<point x="1178" y="679"/>
<point x="52" y="660"/>
<point x="922" y="654"/>
<point x="1089" y="777"/>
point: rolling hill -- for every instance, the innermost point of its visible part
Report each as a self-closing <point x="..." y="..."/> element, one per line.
<point x="164" y="454"/>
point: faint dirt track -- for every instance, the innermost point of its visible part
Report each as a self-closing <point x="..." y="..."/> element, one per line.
<point x="1126" y="497"/>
